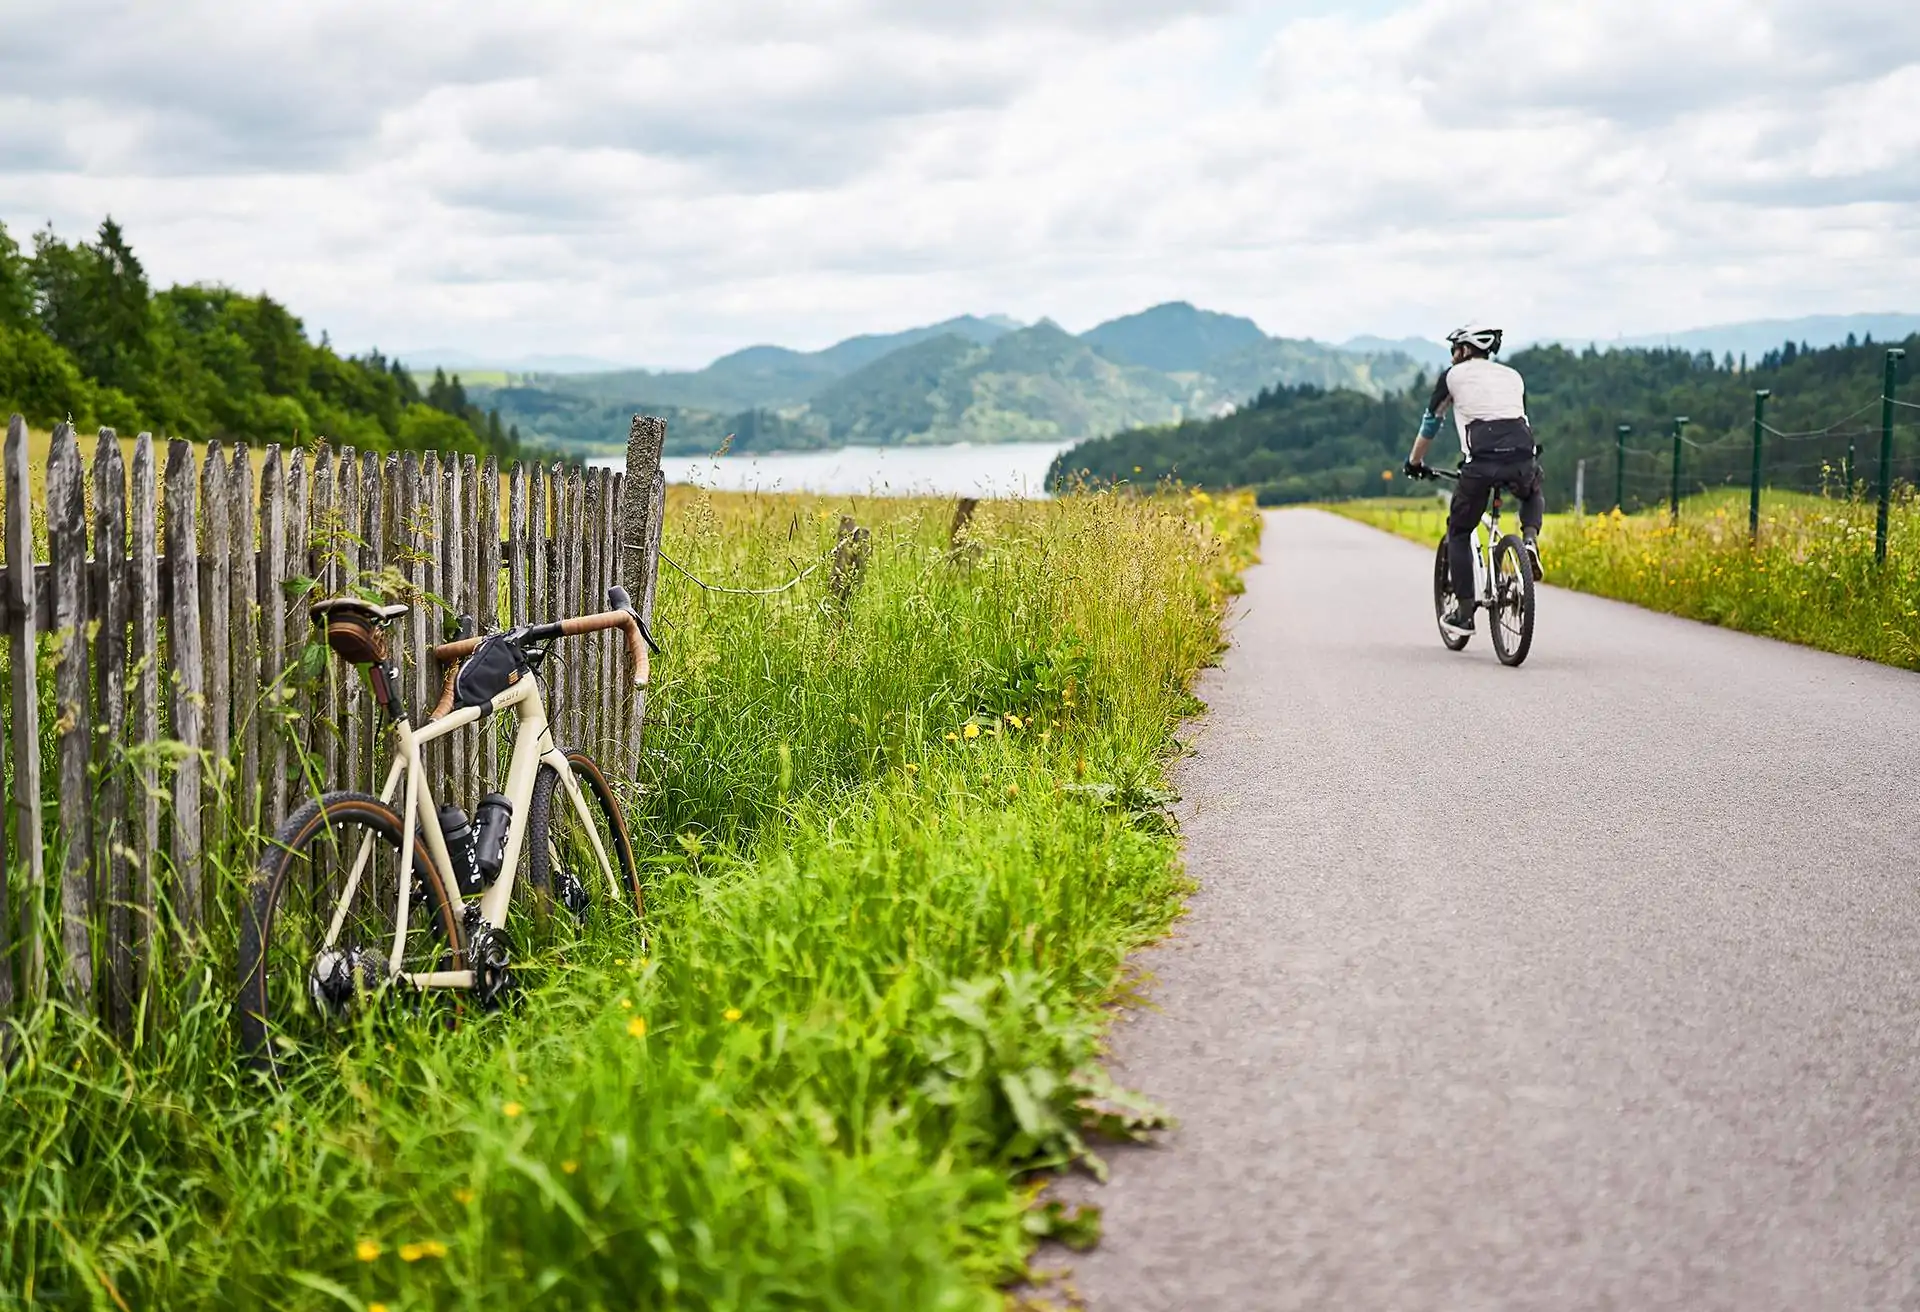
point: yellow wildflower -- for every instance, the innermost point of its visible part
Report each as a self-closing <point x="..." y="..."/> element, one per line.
<point x="626" y="1004"/>
<point x="953" y="737"/>
<point x="569" y="1167"/>
<point x="511" y="1109"/>
<point x="376" y="1307"/>
<point x="463" y="1196"/>
<point x="1015" y="721"/>
<point x="731" y="1013"/>
<point x="912" y="768"/>
<point x="366" y="1250"/>
<point x="1013" y="790"/>
<point x="972" y="731"/>
<point x="637" y="1027"/>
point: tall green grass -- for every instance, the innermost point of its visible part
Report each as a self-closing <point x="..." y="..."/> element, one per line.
<point x="1811" y="577"/>
<point x="898" y="850"/>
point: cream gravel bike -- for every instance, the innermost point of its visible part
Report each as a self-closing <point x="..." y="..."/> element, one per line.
<point x="359" y="900"/>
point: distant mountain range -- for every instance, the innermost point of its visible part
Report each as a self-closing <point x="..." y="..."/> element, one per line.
<point x="992" y="379"/>
<point x="972" y="379"/>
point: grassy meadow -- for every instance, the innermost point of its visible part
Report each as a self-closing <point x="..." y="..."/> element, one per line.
<point x="897" y="851"/>
<point x="1811" y="578"/>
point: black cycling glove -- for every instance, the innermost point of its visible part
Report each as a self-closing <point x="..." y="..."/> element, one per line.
<point x="1417" y="471"/>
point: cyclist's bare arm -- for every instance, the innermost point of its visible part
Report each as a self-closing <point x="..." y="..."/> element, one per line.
<point x="1437" y="406"/>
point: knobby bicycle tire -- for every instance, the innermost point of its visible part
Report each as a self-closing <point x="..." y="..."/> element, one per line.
<point x="551" y="809"/>
<point x="1513" y="601"/>
<point x="278" y="1012"/>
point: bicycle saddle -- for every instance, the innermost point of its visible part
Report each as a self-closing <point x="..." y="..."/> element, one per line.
<point x="354" y="627"/>
<point x="322" y="611"/>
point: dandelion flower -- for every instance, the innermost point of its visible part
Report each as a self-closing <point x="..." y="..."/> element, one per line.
<point x="463" y="1196"/>
<point x="637" y="1027"/>
<point x="511" y="1109"/>
<point x="973" y="731"/>
<point x="376" y="1307"/>
<point x="731" y="1013"/>
<point x="912" y="768"/>
<point x="366" y="1250"/>
<point x="569" y="1167"/>
<point x="626" y="1004"/>
<point x="412" y="1252"/>
<point x="953" y="737"/>
<point x="1015" y="721"/>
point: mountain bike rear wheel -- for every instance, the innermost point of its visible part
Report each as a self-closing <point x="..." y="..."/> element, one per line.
<point x="563" y="865"/>
<point x="1512" y="601"/>
<point x="299" y="986"/>
<point x="1442" y="598"/>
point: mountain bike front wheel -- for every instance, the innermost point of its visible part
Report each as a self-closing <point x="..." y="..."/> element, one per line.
<point x="564" y="848"/>
<point x="321" y="918"/>
<point x="1512" y="601"/>
<point x="1442" y="598"/>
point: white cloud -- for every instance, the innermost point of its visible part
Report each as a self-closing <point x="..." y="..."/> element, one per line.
<point x="664" y="182"/>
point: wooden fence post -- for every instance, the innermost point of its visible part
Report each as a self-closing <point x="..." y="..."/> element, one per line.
<point x="642" y="508"/>
<point x="112" y="610"/>
<point x="23" y="639"/>
<point x="189" y="692"/>
<point x="146" y="703"/>
<point x="849" y="559"/>
<point x="67" y="550"/>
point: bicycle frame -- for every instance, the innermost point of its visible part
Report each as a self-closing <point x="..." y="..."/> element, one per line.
<point x="533" y="746"/>
<point x="1483" y="549"/>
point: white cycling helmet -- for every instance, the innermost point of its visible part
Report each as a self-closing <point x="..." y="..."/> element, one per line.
<point x="1484" y="340"/>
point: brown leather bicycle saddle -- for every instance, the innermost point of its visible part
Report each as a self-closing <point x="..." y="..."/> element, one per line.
<point x="356" y="629"/>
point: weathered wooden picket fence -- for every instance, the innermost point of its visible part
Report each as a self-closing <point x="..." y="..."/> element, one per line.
<point x="159" y="649"/>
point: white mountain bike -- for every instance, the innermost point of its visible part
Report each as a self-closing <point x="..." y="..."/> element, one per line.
<point x="1502" y="582"/>
<point x="335" y="917"/>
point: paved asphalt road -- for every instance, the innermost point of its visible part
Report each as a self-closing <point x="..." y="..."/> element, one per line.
<point x="1592" y="984"/>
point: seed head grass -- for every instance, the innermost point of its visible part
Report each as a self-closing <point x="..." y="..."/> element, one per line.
<point x="866" y="1008"/>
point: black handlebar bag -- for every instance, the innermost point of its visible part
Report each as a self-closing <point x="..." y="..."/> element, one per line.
<point x="495" y="666"/>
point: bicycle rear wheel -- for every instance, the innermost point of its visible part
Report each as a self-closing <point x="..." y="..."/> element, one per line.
<point x="1442" y="597"/>
<point x="563" y="850"/>
<point x="302" y="982"/>
<point x="1512" y="601"/>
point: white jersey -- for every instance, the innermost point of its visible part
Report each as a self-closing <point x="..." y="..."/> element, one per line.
<point x="1479" y="391"/>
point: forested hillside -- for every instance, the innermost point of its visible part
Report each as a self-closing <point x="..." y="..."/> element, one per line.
<point x="1308" y="443"/>
<point x="968" y="379"/>
<point x="83" y="334"/>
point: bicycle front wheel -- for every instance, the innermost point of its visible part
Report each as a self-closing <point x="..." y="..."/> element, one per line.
<point x="579" y="855"/>
<point x="1442" y="598"/>
<point x="1512" y="601"/>
<point x="318" y="932"/>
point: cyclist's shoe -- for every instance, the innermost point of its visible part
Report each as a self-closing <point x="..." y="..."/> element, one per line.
<point x="1459" y="617"/>
<point x="1533" y="559"/>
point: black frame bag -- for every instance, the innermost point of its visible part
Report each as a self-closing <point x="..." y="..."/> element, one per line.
<point x="495" y="666"/>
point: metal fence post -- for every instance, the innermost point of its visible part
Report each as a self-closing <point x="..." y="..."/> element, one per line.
<point x="1620" y="465"/>
<point x="1886" y="452"/>
<point x="1580" y="490"/>
<point x="1753" y="498"/>
<point x="1679" y="428"/>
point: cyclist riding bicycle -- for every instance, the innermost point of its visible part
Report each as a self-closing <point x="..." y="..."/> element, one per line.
<point x="1489" y="404"/>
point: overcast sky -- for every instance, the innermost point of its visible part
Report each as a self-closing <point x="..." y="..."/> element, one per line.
<point x="660" y="182"/>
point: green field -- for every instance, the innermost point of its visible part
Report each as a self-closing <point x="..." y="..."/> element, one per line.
<point x="897" y="853"/>
<point x="1811" y="578"/>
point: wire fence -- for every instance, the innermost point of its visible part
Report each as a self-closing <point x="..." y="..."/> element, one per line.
<point x="1869" y="454"/>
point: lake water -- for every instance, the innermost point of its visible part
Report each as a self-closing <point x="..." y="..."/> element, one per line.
<point x="1013" y="469"/>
